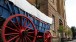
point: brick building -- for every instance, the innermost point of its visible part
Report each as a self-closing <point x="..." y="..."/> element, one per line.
<point x="54" y="9"/>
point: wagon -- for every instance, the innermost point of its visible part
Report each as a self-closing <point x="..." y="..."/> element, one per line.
<point x="22" y="22"/>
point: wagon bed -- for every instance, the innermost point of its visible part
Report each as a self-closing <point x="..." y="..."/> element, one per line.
<point x="20" y="25"/>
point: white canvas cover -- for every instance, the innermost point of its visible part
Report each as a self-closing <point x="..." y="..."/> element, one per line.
<point x="26" y="6"/>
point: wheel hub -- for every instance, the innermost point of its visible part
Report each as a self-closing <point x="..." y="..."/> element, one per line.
<point x="24" y="33"/>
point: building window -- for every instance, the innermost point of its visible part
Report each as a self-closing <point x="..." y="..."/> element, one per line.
<point x="53" y="22"/>
<point x="52" y="1"/>
<point x="60" y="22"/>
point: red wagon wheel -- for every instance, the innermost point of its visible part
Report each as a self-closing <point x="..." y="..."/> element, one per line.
<point x="47" y="36"/>
<point x="18" y="28"/>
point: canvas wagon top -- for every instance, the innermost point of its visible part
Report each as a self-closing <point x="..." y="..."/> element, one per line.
<point x="26" y="6"/>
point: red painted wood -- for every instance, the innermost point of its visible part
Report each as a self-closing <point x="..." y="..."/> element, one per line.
<point x="17" y="31"/>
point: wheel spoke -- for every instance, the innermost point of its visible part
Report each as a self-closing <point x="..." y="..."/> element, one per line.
<point x="28" y="39"/>
<point x="47" y="36"/>
<point x="28" y="29"/>
<point x="30" y="32"/>
<point x="12" y="29"/>
<point x="25" y="23"/>
<point x="14" y="24"/>
<point x="20" y="21"/>
<point x="12" y="38"/>
<point x="17" y="40"/>
<point x="30" y="36"/>
<point x="31" y="28"/>
<point x="12" y="34"/>
<point x="20" y="40"/>
<point x="17" y="22"/>
<point x="39" y="36"/>
<point x="25" y="39"/>
<point x="45" y="40"/>
<point x="28" y="25"/>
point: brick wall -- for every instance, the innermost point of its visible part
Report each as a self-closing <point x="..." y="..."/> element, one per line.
<point x="56" y="8"/>
<point x="52" y="7"/>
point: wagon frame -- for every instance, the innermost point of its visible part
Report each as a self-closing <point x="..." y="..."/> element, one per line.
<point x="20" y="26"/>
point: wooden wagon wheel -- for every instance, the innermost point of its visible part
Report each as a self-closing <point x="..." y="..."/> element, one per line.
<point x="47" y="36"/>
<point x="18" y="28"/>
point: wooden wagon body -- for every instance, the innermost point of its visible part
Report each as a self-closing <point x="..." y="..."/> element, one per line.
<point x="23" y="25"/>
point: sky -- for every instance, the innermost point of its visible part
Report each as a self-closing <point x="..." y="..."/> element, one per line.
<point x="70" y="8"/>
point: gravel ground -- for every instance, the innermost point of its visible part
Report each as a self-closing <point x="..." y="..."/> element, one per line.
<point x="72" y="41"/>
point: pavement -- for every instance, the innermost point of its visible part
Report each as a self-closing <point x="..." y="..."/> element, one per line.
<point x="72" y="41"/>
